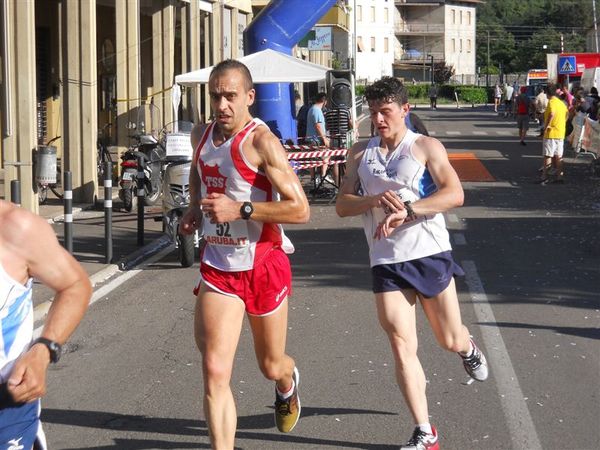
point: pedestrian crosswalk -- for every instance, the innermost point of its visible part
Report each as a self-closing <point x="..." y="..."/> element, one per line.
<point x="511" y="133"/>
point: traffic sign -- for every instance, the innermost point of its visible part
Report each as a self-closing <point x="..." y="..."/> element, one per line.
<point x="567" y="65"/>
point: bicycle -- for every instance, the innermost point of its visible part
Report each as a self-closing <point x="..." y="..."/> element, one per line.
<point x="45" y="181"/>
<point x="104" y="155"/>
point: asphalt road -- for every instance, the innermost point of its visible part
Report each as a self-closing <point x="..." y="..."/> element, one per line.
<point x="131" y="378"/>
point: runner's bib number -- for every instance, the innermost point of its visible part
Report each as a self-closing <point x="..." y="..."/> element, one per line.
<point x="228" y="234"/>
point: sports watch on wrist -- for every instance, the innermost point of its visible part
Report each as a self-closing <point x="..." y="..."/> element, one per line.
<point x="409" y="211"/>
<point x="246" y="210"/>
<point x="54" y="348"/>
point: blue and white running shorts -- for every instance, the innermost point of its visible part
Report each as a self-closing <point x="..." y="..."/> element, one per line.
<point x="20" y="426"/>
<point x="429" y="275"/>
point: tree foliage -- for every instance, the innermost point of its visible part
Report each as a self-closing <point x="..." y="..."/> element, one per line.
<point x="520" y="33"/>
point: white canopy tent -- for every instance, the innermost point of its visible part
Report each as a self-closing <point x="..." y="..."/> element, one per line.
<point x="266" y="66"/>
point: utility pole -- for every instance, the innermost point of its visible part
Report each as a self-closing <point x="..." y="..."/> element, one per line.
<point x="487" y="72"/>
<point x="595" y="24"/>
<point x="431" y="56"/>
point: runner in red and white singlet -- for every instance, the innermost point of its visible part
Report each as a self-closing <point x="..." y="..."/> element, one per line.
<point x="242" y="188"/>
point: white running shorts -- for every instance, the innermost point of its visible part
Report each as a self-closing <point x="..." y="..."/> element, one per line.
<point x="553" y="147"/>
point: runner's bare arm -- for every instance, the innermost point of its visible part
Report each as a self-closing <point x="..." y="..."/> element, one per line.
<point x="192" y="218"/>
<point x="293" y="207"/>
<point x="449" y="192"/>
<point x="30" y="239"/>
<point x="349" y="202"/>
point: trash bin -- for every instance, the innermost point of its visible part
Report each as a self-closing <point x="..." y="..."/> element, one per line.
<point x="45" y="169"/>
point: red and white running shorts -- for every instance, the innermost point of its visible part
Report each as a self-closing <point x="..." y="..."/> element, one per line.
<point x="262" y="289"/>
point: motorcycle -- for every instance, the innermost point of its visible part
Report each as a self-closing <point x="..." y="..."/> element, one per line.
<point x="148" y="147"/>
<point x="176" y="192"/>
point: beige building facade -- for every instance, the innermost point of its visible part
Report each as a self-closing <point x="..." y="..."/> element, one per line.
<point x="69" y="67"/>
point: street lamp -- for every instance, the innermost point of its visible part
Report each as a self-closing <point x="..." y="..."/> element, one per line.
<point x="431" y="74"/>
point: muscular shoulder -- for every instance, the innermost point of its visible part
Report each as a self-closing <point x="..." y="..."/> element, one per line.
<point x="263" y="146"/>
<point x="426" y="148"/>
<point x="21" y="228"/>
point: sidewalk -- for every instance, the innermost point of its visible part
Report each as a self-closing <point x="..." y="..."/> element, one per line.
<point x="89" y="247"/>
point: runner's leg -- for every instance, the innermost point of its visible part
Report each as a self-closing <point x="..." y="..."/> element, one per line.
<point x="396" y="313"/>
<point x="443" y="313"/>
<point x="218" y="324"/>
<point x="270" y="333"/>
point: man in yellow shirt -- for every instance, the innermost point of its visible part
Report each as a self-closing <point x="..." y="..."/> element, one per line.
<point x="555" y="120"/>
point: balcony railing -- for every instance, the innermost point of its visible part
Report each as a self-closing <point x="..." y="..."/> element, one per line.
<point x="419" y="27"/>
<point x="419" y="57"/>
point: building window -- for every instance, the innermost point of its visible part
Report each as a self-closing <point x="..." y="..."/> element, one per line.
<point x="468" y="17"/>
<point x="453" y="16"/>
<point x="468" y="45"/>
<point x="359" y="44"/>
<point x="386" y="15"/>
<point x="372" y="44"/>
<point x="359" y="13"/>
<point x="386" y="45"/>
<point x="461" y="17"/>
<point x="372" y="14"/>
<point x="460" y="44"/>
<point x="453" y="45"/>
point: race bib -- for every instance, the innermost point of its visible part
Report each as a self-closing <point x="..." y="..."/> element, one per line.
<point x="227" y="234"/>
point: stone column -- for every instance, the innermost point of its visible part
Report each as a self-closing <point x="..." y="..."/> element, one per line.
<point x="80" y="104"/>
<point x="127" y="55"/>
<point x="163" y="57"/>
<point x="20" y="126"/>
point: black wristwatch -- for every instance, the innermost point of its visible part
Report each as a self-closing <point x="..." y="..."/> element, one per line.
<point x="246" y="210"/>
<point x="54" y="348"/>
<point x="409" y="211"/>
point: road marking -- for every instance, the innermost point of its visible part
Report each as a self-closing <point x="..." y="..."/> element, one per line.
<point x="480" y="133"/>
<point x="432" y="133"/>
<point x="453" y="133"/>
<point x="520" y="424"/>
<point x="505" y="133"/>
<point x="42" y="309"/>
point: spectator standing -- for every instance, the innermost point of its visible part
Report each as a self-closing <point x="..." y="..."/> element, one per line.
<point x="593" y="100"/>
<point x="508" y="96"/>
<point x="497" y="97"/>
<point x="433" y="93"/>
<point x="316" y="132"/>
<point x="541" y="102"/>
<point x="555" y="123"/>
<point x="524" y="108"/>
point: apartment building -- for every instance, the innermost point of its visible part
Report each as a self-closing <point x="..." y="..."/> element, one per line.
<point x="375" y="39"/>
<point x="435" y="31"/>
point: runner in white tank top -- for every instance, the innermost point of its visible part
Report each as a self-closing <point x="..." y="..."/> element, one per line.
<point x="401" y="172"/>
<point x="401" y="183"/>
<point x="29" y="249"/>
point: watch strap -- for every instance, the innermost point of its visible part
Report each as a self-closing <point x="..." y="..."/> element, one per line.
<point x="409" y="210"/>
<point x="53" y="347"/>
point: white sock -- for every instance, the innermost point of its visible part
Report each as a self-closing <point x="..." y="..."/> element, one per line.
<point x="288" y="394"/>
<point x="426" y="427"/>
<point x="470" y="352"/>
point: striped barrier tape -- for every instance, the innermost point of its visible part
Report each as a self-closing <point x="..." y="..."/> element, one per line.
<point x="317" y="154"/>
<point x="298" y="166"/>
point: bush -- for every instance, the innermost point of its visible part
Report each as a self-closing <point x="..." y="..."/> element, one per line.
<point x="359" y="90"/>
<point x="471" y="94"/>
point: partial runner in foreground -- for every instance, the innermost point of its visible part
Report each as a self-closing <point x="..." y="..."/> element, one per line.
<point x="242" y="187"/>
<point x="401" y="182"/>
<point x="28" y="249"/>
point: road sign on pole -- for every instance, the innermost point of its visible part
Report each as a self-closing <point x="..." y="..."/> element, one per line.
<point x="567" y="65"/>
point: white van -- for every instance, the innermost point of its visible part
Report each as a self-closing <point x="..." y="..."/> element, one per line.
<point x="590" y="78"/>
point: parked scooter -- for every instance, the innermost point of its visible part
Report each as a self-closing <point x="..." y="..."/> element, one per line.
<point x="148" y="147"/>
<point x="176" y="189"/>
